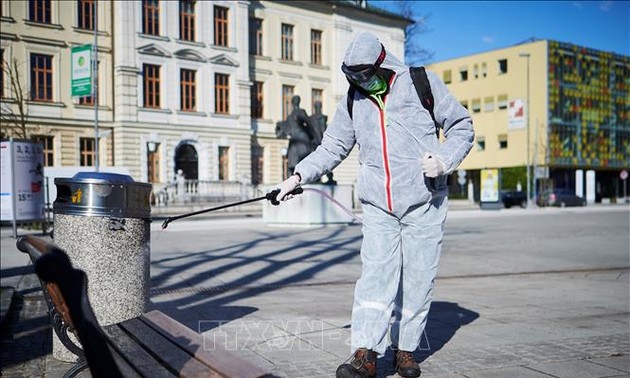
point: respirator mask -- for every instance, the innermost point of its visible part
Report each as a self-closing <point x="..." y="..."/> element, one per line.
<point x="365" y="75"/>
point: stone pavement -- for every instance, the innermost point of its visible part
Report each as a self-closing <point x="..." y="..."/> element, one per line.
<point x="541" y="293"/>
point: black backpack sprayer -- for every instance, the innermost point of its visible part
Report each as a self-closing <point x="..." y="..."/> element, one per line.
<point x="271" y="196"/>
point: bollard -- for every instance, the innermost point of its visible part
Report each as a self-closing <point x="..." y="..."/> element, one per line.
<point x="102" y="220"/>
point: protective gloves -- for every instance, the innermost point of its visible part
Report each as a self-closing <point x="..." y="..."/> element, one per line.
<point x="432" y="165"/>
<point x="287" y="186"/>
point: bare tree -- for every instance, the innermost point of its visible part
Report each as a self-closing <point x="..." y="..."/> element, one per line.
<point x="14" y="109"/>
<point x="415" y="54"/>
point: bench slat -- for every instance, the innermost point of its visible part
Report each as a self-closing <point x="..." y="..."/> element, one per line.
<point x="171" y="356"/>
<point x="225" y="362"/>
<point x="142" y="361"/>
<point x="126" y="370"/>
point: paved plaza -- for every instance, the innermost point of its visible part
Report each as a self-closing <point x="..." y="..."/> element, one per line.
<point x="520" y="293"/>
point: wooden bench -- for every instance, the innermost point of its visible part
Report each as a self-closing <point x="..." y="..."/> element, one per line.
<point x="151" y="345"/>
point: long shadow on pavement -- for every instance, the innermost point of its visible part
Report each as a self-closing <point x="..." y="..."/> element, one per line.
<point x="320" y="254"/>
<point x="292" y="261"/>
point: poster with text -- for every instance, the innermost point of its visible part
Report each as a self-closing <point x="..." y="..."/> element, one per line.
<point x="22" y="181"/>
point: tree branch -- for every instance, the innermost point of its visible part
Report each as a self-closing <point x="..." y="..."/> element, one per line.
<point x="14" y="109"/>
<point x="415" y="54"/>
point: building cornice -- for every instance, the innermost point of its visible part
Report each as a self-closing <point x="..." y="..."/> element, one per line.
<point x="9" y="36"/>
<point x="318" y="67"/>
<point x="101" y="48"/>
<point x="290" y="75"/>
<point x="190" y="54"/>
<point x="224" y="59"/>
<point x="261" y="71"/>
<point x="44" y="41"/>
<point x="7" y="19"/>
<point x="155" y="110"/>
<point x="369" y="10"/>
<point x="128" y="70"/>
<point x="244" y="83"/>
<point x="320" y="79"/>
<point x="190" y="43"/>
<point x="100" y="33"/>
<point x="42" y="25"/>
<point x="162" y="38"/>
<point x="223" y="48"/>
<point x="153" y="49"/>
<point x="53" y="104"/>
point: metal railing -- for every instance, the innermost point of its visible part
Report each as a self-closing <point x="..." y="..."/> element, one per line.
<point x="201" y="191"/>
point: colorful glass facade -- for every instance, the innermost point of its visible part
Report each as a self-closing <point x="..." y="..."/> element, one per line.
<point x="589" y="108"/>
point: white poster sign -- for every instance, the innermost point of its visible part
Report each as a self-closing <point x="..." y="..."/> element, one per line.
<point x="516" y="114"/>
<point x="590" y="187"/>
<point x="490" y="185"/>
<point x="22" y="181"/>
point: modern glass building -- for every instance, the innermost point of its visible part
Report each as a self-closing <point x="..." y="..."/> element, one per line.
<point x="589" y="115"/>
<point x="561" y="109"/>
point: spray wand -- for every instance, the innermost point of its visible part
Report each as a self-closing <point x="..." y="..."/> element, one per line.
<point x="271" y="196"/>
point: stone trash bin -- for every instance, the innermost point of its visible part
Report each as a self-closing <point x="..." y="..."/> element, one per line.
<point x="102" y="220"/>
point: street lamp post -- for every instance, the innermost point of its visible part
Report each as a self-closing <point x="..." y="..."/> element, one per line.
<point x="529" y="200"/>
<point x="95" y="88"/>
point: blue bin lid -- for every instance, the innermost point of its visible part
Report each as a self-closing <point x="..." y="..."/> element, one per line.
<point x="111" y="177"/>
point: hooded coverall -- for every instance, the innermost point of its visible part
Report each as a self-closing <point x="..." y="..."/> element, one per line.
<point x="403" y="211"/>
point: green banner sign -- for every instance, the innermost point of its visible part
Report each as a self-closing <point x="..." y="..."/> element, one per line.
<point x="82" y="70"/>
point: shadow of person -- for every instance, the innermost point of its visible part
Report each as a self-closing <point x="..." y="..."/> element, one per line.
<point x="444" y="320"/>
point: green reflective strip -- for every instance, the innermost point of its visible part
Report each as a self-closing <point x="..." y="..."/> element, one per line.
<point x="381" y="106"/>
<point x="379" y="101"/>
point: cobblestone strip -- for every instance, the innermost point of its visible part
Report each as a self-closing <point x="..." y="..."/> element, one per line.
<point x="26" y="341"/>
<point x="464" y="359"/>
<point x="457" y="360"/>
<point x="26" y="338"/>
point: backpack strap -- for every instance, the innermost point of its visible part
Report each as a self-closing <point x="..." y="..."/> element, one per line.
<point x="350" y="100"/>
<point x="421" y="82"/>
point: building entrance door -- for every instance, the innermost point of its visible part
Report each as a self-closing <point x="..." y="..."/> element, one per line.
<point x="186" y="159"/>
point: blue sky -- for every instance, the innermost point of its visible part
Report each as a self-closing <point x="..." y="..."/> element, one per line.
<point x="459" y="28"/>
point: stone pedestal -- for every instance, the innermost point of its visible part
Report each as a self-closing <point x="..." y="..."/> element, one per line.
<point x="311" y="208"/>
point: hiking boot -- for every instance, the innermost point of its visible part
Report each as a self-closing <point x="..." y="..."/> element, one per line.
<point x="362" y="365"/>
<point x="405" y="365"/>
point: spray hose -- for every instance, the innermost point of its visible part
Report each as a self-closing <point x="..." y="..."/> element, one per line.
<point x="271" y="196"/>
<point x="328" y="196"/>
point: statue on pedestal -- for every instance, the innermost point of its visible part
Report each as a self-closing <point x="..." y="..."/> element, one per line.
<point x="318" y="123"/>
<point x="299" y="132"/>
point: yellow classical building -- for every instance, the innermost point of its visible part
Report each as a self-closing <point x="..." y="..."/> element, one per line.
<point x="562" y="109"/>
<point x="36" y="39"/>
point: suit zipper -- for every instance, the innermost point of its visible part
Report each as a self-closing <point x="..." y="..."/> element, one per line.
<point x="388" y="177"/>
